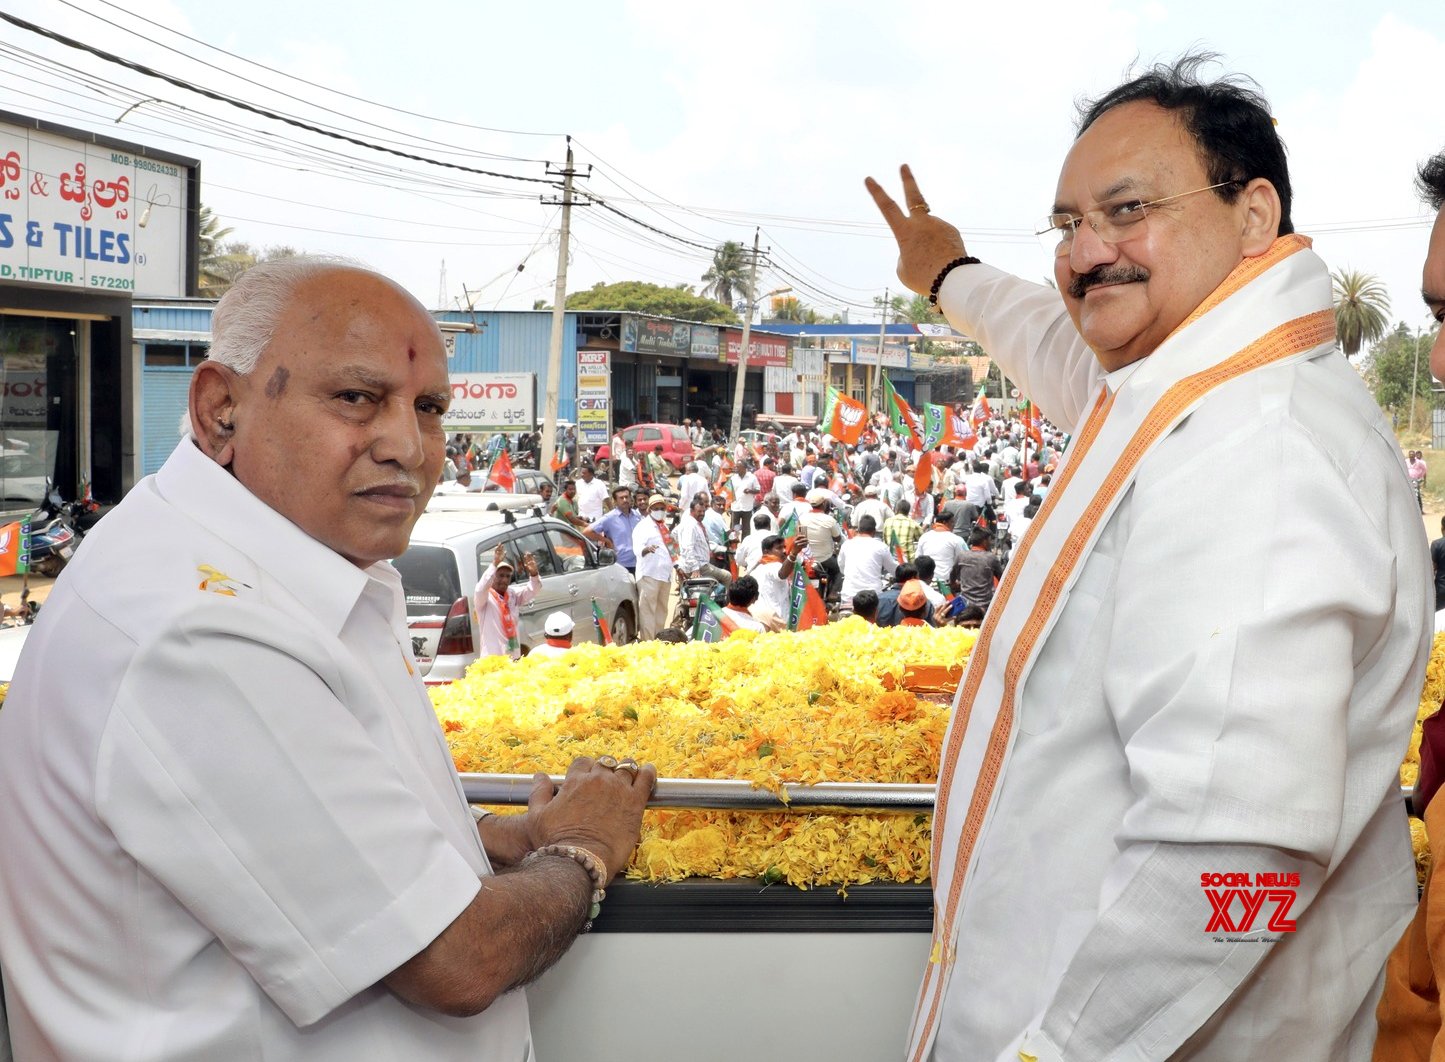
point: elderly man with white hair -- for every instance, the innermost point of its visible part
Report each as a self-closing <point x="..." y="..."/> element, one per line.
<point x="232" y="826"/>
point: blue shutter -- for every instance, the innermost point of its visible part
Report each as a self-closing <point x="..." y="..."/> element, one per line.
<point x="163" y="399"/>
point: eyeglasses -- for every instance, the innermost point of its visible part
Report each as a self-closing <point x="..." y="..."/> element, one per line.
<point x="1113" y="221"/>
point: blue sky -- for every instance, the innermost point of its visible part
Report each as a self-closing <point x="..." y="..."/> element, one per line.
<point x="706" y="125"/>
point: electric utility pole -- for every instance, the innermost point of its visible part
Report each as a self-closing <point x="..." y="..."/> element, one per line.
<point x="877" y="396"/>
<point x="559" y="314"/>
<point x="737" y="422"/>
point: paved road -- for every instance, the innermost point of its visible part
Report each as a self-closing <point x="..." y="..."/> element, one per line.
<point x="12" y="585"/>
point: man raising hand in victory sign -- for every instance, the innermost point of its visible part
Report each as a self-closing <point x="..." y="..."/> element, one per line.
<point x="1239" y="719"/>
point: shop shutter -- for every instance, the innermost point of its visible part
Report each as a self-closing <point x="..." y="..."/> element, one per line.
<point x="163" y="400"/>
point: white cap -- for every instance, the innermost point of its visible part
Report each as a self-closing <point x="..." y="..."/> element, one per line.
<point x="558" y="625"/>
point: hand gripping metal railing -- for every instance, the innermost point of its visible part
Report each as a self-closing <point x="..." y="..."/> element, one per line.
<point x="727" y="794"/>
<point x="739" y="795"/>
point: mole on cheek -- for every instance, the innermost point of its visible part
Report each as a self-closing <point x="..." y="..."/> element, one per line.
<point x="276" y="386"/>
<point x="411" y="354"/>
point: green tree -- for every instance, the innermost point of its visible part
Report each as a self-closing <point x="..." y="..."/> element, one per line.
<point x="212" y="268"/>
<point x="897" y="307"/>
<point x="1399" y="364"/>
<point x="794" y="311"/>
<point x="729" y="278"/>
<point x="637" y="296"/>
<point x="1362" y="310"/>
<point x="918" y="310"/>
<point x="232" y="259"/>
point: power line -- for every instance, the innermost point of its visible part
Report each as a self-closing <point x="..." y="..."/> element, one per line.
<point x="219" y="97"/>
<point x="310" y="84"/>
<point x="269" y="88"/>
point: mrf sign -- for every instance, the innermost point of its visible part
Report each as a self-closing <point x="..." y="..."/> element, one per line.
<point x="81" y="211"/>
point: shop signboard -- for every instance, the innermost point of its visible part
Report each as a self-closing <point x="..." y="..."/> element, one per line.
<point x="78" y="214"/>
<point x="492" y="401"/>
<point x="766" y="351"/>
<point x="895" y="355"/>
<point x="647" y="335"/>
<point x="594" y="396"/>
<point x="705" y="342"/>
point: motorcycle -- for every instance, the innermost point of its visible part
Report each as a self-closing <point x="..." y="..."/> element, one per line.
<point x="53" y="541"/>
<point x="692" y="592"/>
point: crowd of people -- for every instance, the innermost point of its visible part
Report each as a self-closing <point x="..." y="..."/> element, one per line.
<point x="859" y="519"/>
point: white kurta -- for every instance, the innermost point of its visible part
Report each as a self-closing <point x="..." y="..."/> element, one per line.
<point x="1227" y="686"/>
<point x="229" y="807"/>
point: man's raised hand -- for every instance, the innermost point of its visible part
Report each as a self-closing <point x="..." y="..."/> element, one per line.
<point x="925" y="243"/>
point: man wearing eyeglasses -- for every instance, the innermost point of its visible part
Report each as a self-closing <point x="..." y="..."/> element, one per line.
<point x="1216" y="721"/>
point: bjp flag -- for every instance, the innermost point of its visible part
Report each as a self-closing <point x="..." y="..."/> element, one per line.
<point x="501" y="473"/>
<point x="849" y="420"/>
<point x="15" y="548"/>
<point x="805" y="605"/>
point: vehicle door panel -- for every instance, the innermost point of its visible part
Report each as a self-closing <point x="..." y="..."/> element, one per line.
<point x="554" y="595"/>
<point x="577" y="563"/>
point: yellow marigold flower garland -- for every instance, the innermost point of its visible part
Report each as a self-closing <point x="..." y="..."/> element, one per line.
<point x="824" y="705"/>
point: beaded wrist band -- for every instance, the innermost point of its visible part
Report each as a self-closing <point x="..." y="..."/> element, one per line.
<point x="938" y="281"/>
<point x="589" y="862"/>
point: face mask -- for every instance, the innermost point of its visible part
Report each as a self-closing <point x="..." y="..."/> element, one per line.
<point x="659" y="514"/>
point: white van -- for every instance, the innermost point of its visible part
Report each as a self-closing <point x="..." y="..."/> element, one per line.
<point x="451" y="548"/>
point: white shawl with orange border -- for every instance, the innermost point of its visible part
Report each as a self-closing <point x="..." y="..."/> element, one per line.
<point x="1270" y="311"/>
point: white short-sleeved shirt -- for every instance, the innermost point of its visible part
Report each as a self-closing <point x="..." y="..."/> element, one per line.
<point x="944" y="547"/>
<point x="773" y="589"/>
<point x="591" y="498"/>
<point x="236" y="806"/>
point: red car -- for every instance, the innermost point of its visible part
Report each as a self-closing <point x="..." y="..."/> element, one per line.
<point x="670" y="440"/>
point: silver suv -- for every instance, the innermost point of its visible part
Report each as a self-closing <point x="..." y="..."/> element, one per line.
<point x="449" y="550"/>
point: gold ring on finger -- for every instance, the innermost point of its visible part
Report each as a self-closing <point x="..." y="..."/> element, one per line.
<point x="610" y="762"/>
<point x="629" y="766"/>
<point x="921" y="208"/>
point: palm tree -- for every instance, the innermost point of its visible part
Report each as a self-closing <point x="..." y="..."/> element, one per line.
<point x="918" y="310"/>
<point x="1362" y="308"/>
<point x="793" y="311"/>
<point x="727" y="279"/>
<point x="216" y="266"/>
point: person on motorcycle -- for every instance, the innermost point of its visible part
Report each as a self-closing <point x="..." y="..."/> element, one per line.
<point x="694" y="554"/>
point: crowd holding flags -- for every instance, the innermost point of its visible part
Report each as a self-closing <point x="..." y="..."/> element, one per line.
<point x="939" y="426"/>
<point x="902" y="419"/>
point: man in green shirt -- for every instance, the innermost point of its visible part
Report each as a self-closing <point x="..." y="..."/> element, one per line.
<point x="565" y="507"/>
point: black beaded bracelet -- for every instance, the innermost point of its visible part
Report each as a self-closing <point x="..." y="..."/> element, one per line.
<point x="938" y="281"/>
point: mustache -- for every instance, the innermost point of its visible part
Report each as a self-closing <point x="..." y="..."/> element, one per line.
<point x="1106" y="274"/>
